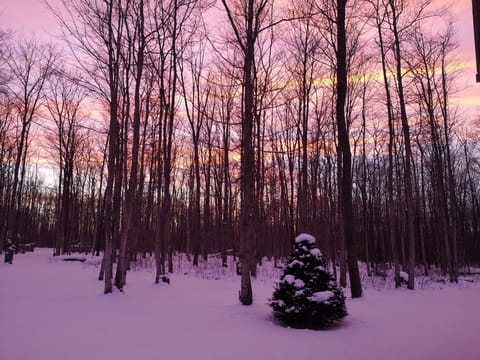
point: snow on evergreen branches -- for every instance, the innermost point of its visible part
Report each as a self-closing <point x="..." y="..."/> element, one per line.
<point x="305" y="238"/>
<point x="307" y="295"/>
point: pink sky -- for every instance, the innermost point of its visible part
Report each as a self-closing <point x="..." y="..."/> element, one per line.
<point x="28" y="15"/>
<point x="31" y="16"/>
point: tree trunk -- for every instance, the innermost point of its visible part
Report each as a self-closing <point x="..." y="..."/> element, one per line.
<point x="348" y="223"/>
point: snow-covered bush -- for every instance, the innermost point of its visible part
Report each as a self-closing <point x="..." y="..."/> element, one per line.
<point x="307" y="296"/>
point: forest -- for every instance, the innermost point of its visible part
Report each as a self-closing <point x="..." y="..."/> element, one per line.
<point x="228" y="127"/>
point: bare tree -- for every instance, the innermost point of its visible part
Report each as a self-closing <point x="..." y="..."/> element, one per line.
<point x="63" y="104"/>
<point x="429" y="52"/>
<point x="344" y="147"/>
<point x="30" y="63"/>
<point x="137" y="40"/>
<point x="246" y="22"/>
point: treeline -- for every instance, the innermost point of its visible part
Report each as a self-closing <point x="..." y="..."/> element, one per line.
<point x="172" y="134"/>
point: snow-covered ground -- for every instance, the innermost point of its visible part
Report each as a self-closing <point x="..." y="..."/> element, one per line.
<point x="53" y="310"/>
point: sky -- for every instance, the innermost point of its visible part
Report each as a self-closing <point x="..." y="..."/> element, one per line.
<point x="32" y="17"/>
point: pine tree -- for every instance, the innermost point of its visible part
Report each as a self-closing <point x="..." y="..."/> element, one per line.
<point x="307" y="296"/>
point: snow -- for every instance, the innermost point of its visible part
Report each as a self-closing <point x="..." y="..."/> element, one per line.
<point x="299" y="292"/>
<point x="298" y="283"/>
<point x="320" y="296"/>
<point x="296" y="262"/>
<point x="290" y="279"/>
<point x="57" y="310"/>
<point x="87" y="259"/>
<point x="279" y="302"/>
<point x="305" y="237"/>
<point x="404" y="276"/>
<point x="316" y="252"/>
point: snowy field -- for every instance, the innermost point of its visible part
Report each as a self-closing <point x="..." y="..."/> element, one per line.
<point x="51" y="310"/>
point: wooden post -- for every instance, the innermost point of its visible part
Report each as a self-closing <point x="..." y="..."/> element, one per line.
<point x="476" y="31"/>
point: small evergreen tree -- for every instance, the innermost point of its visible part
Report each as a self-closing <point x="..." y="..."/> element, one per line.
<point x="307" y="296"/>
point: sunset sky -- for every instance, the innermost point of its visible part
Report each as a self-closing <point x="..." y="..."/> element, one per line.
<point x="31" y="17"/>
